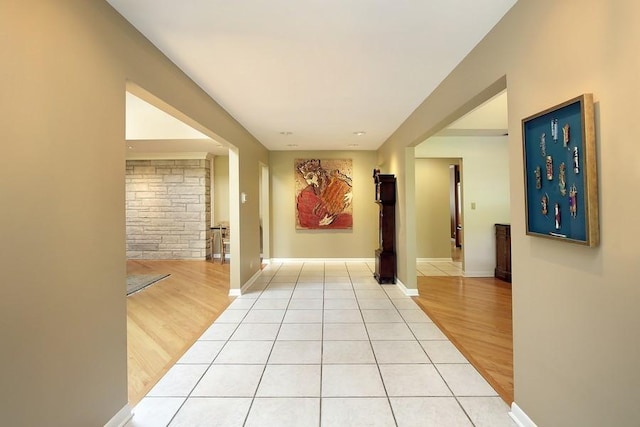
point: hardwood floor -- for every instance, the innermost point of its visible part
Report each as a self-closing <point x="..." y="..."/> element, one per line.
<point x="165" y="319"/>
<point x="475" y="314"/>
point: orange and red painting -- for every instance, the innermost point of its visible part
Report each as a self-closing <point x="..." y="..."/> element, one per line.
<point x="323" y="194"/>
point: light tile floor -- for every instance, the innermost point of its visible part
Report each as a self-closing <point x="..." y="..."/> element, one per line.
<point x="322" y="344"/>
<point x="439" y="268"/>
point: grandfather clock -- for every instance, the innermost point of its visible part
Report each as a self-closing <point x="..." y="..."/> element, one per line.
<point x="385" y="254"/>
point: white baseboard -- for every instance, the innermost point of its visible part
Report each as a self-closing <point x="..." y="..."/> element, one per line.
<point x="519" y="417"/>
<point x="121" y="418"/>
<point x="294" y="260"/>
<point x="407" y="291"/>
<point x="434" y="259"/>
<point x="246" y="286"/>
<point x="479" y="273"/>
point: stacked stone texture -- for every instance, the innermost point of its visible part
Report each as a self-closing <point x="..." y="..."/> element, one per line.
<point x="168" y="209"/>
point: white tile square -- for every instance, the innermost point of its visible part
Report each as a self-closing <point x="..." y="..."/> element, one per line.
<point x="306" y="304"/>
<point x="229" y="381"/>
<point x="375" y="304"/>
<point x="303" y="316"/>
<point x="284" y="412"/>
<point x="344" y="352"/>
<point x="399" y="352"/>
<point x="178" y="381"/>
<point x="271" y="304"/>
<point x="389" y="331"/>
<point x="335" y="279"/>
<point x="443" y="352"/>
<point x="256" y="332"/>
<point x="155" y="411"/>
<point x="426" y="331"/>
<point x="339" y="286"/>
<point x="212" y="412"/>
<point x="341" y="304"/>
<point x="281" y="286"/>
<point x="351" y="381"/>
<point x="245" y="352"/>
<point x="276" y="293"/>
<point x="219" y="332"/>
<point x="413" y="380"/>
<point x="300" y="332"/>
<point x="290" y="381"/>
<point x="296" y="352"/>
<point x="317" y="286"/>
<point x="487" y="411"/>
<point x="360" y="285"/>
<point x="201" y="352"/>
<point x="338" y="294"/>
<point x="345" y="331"/>
<point x="356" y="412"/>
<point x="342" y="316"/>
<point x="264" y="316"/>
<point x="415" y="316"/>
<point x="301" y="293"/>
<point x="464" y="380"/>
<point x="281" y="278"/>
<point x="370" y="293"/>
<point x="382" y="316"/>
<point x="428" y="411"/>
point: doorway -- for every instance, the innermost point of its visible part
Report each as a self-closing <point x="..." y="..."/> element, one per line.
<point x="455" y="212"/>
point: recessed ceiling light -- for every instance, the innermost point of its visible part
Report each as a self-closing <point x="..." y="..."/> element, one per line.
<point x="359" y="133"/>
<point x="130" y="147"/>
<point x="286" y="133"/>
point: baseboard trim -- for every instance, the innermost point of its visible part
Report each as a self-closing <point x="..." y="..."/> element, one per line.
<point x="407" y="291"/>
<point x="283" y="260"/>
<point x="480" y="273"/>
<point x="250" y="282"/>
<point x="434" y="259"/>
<point x="519" y="417"/>
<point x="121" y="418"/>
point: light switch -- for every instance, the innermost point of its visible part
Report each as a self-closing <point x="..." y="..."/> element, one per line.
<point x="473" y="205"/>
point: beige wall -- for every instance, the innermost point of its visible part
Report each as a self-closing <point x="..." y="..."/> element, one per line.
<point x="287" y="242"/>
<point x="574" y="308"/>
<point x="220" y="189"/>
<point x="433" y="215"/>
<point x="66" y="65"/>
<point x="485" y="183"/>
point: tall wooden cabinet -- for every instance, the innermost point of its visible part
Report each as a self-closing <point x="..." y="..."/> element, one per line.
<point x="503" y="252"/>
<point x="385" y="185"/>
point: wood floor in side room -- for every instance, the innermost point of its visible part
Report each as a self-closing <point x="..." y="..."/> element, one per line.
<point x="166" y="318"/>
<point x="475" y="314"/>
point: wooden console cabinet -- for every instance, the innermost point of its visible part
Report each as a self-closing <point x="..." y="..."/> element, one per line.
<point x="385" y="255"/>
<point x="503" y="252"/>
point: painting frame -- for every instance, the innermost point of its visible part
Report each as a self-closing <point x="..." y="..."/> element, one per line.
<point x="323" y="194"/>
<point x="560" y="172"/>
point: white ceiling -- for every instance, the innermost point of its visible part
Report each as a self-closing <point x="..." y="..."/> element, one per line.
<point x="320" y="69"/>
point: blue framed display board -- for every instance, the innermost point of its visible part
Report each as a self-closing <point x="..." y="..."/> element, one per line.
<point x="560" y="175"/>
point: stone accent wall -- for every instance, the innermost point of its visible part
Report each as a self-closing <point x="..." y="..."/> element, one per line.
<point x="168" y="209"/>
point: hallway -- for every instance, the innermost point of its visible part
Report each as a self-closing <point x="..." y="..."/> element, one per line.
<point x="322" y="344"/>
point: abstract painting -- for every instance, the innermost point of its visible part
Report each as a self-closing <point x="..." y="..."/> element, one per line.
<point x="323" y="194"/>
